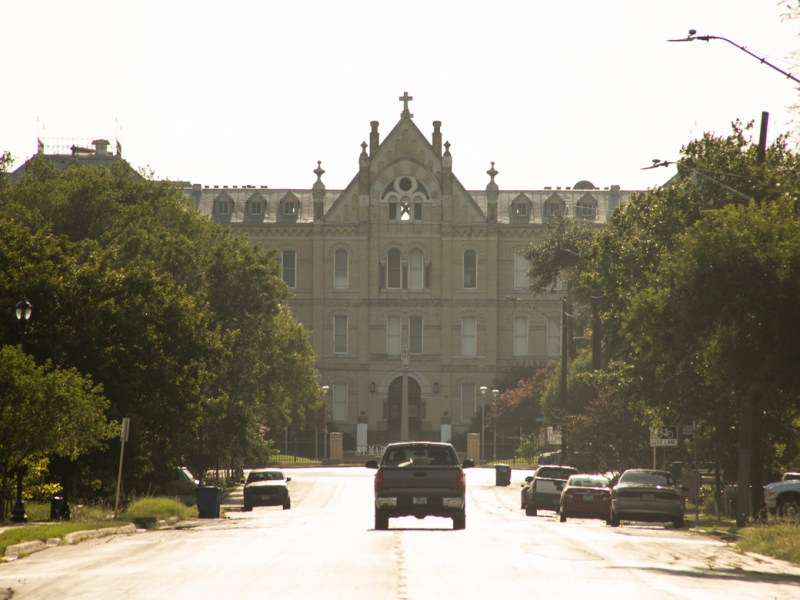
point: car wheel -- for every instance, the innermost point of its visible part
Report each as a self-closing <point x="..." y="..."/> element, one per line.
<point x="247" y="508"/>
<point x="614" y="520"/>
<point x="287" y="505"/>
<point x="530" y="510"/>
<point x="789" y="508"/>
<point x="678" y="523"/>
<point x="460" y="521"/>
<point x="381" y="520"/>
<point x="562" y="517"/>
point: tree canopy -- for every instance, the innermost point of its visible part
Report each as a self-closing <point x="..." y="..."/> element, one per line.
<point x="181" y="322"/>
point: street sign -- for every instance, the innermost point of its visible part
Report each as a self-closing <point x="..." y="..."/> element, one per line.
<point x="554" y="435"/>
<point x="665" y="436"/>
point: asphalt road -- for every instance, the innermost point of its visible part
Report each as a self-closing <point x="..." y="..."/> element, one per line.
<point x="325" y="547"/>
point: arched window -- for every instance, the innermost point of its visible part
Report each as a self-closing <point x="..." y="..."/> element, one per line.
<point x="339" y="402"/>
<point x="586" y="208"/>
<point x="405" y="197"/>
<point x="394" y="277"/>
<point x="416" y="270"/>
<point x="521" y="268"/>
<point x="470" y="269"/>
<point x="520" y="336"/>
<point x="340" y="269"/>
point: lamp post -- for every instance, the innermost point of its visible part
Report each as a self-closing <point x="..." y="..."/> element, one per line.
<point x="24" y="310"/>
<point x="495" y="393"/>
<point x="483" y="389"/>
<point x="404" y="435"/>
<point x="325" y="389"/>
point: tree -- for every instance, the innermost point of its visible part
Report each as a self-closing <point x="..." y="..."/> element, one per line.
<point x="687" y="272"/>
<point x="179" y="319"/>
<point x="46" y="411"/>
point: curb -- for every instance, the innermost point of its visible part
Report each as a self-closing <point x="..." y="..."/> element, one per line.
<point x="20" y="550"/>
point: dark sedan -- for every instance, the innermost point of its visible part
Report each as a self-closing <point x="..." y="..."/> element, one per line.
<point x="585" y="496"/>
<point x="647" y="495"/>
<point x="266" y="487"/>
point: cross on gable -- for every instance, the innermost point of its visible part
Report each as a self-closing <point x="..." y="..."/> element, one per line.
<point x="405" y="99"/>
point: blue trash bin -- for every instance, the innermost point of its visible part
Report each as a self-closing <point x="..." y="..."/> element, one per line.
<point x="208" y="501"/>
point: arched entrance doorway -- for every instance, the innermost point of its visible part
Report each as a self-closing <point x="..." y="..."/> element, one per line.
<point x="395" y="406"/>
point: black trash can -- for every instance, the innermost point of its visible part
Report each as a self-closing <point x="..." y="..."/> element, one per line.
<point x="502" y="475"/>
<point x="208" y="501"/>
<point x="59" y="509"/>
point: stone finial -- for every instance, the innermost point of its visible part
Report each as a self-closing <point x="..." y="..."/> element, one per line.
<point x="492" y="193"/>
<point x="492" y="172"/>
<point x="318" y="191"/>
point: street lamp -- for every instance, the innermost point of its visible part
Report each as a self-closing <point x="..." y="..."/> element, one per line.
<point x="483" y="389"/>
<point x="325" y="389"/>
<point x="24" y="310"/>
<point x="693" y="36"/>
<point x="495" y="393"/>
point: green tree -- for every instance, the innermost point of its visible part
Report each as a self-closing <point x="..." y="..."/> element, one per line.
<point x="46" y="411"/>
<point x="179" y="319"/>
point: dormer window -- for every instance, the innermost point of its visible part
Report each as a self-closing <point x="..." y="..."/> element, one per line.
<point x="256" y="208"/>
<point x="553" y="206"/>
<point x="289" y="209"/>
<point x="521" y="209"/>
<point x="223" y="207"/>
<point x="586" y="208"/>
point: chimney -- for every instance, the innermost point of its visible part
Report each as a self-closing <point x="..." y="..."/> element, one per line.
<point x="437" y="138"/>
<point x="374" y="138"/>
<point x="100" y="147"/>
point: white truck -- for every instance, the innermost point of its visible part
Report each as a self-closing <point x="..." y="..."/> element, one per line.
<point x="783" y="497"/>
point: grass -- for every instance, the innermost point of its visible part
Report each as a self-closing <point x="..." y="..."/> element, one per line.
<point x="145" y="513"/>
<point x="779" y="539"/>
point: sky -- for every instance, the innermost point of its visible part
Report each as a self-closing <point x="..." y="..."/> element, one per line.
<point x="256" y="92"/>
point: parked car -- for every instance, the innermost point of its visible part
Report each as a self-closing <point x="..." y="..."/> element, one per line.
<point x="782" y="498"/>
<point x="586" y="496"/>
<point x="647" y="495"/>
<point x="182" y="486"/>
<point x="544" y="489"/>
<point x="266" y="487"/>
<point x="525" y="493"/>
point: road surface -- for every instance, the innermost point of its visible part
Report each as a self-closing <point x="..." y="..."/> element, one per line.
<point x="325" y="547"/>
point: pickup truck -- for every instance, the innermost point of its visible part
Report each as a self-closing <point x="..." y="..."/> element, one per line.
<point x="783" y="497"/>
<point x="544" y="488"/>
<point x="419" y="479"/>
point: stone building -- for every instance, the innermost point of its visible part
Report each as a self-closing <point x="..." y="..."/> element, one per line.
<point x="403" y="279"/>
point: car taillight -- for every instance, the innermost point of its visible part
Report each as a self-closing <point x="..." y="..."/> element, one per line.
<point x="378" y="481"/>
<point x="461" y="483"/>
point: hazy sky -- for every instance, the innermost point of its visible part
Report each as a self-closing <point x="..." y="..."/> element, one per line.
<point x="256" y="92"/>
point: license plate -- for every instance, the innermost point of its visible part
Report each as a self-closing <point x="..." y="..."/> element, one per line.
<point x="420" y="500"/>
<point x="648" y="497"/>
<point x="588" y="497"/>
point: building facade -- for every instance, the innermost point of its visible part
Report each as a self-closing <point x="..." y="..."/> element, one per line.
<point x="404" y="279"/>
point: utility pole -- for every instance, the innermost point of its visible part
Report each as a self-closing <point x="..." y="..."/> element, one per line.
<point x="744" y="496"/>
